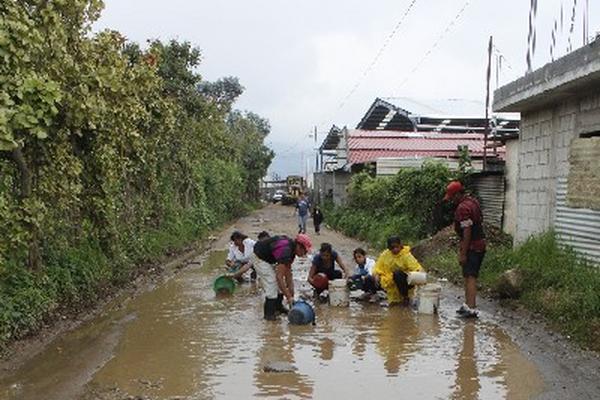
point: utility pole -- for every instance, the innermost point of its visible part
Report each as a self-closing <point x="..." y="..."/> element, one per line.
<point x="316" y="152"/>
<point x="487" y="103"/>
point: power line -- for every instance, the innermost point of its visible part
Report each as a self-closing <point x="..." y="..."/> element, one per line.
<point x="377" y="56"/>
<point x="382" y="49"/>
<point x="437" y="43"/>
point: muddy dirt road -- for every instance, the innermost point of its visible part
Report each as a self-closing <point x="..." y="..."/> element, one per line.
<point x="177" y="341"/>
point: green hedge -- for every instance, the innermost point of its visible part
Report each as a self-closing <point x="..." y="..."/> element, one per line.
<point x="408" y="204"/>
<point x="110" y="156"/>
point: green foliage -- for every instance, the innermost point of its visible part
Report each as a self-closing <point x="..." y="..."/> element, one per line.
<point x="465" y="165"/>
<point x="408" y="204"/>
<point x="556" y="283"/>
<point x="110" y="155"/>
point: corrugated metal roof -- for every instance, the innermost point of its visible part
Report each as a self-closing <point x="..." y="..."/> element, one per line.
<point x="367" y="146"/>
<point x="438" y="115"/>
<point x="456" y="108"/>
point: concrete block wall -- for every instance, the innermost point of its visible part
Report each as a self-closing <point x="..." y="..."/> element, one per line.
<point x="332" y="182"/>
<point x="544" y="144"/>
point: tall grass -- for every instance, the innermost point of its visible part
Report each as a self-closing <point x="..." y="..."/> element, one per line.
<point x="557" y="283"/>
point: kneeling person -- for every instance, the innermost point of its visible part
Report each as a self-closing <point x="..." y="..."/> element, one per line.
<point x="324" y="263"/>
<point x="239" y="257"/>
<point x="363" y="274"/>
<point x="274" y="258"/>
<point x="392" y="268"/>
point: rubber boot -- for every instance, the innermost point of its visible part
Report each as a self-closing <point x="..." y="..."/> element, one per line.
<point x="280" y="307"/>
<point x="270" y="309"/>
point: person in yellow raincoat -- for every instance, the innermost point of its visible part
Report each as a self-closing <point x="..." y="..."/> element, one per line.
<point x="392" y="268"/>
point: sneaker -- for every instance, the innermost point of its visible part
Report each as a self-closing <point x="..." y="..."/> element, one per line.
<point x="468" y="312"/>
<point x="324" y="296"/>
<point x="364" y="297"/>
<point x="463" y="309"/>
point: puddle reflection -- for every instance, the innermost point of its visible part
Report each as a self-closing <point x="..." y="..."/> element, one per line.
<point x="278" y="347"/>
<point x="184" y="342"/>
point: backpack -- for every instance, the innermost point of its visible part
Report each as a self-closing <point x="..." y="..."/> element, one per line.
<point x="264" y="249"/>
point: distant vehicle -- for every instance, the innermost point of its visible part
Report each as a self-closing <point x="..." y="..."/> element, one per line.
<point x="295" y="185"/>
<point x="278" y="196"/>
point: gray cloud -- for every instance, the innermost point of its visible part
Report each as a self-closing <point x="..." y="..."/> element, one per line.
<point x="298" y="60"/>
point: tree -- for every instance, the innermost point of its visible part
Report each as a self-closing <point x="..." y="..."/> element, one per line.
<point x="222" y="92"/>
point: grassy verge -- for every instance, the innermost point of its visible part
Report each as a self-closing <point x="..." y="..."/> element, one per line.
<point x="556" y="283"/>
<point x="76" y="278"/>
<point x="370" y="227"/>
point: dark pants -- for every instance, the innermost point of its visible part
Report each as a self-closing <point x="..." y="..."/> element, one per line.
<point x="365" y="283"/>
<point x="369" y="285"/>
<point x="473" y="265"/>
<point x="401" y="280"/>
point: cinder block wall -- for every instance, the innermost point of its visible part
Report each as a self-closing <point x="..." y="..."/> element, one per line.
<point x="544" y="144"/>
<point x="511" y="171"/>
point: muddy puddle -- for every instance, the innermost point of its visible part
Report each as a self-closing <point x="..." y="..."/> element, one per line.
<point x="180" y="342"/>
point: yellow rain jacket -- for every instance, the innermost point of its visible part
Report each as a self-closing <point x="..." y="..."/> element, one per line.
<point x="387" y="264"/>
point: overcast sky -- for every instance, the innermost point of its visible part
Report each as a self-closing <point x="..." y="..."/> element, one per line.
<point x="298" y="60"/>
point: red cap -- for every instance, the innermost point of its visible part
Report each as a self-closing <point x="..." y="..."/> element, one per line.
<point x="305" y="241"/>
<point x="453" y="188"/>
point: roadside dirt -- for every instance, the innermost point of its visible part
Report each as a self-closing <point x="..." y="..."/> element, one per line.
<point x="175" y="340"/>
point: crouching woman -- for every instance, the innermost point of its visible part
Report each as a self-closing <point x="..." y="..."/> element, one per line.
<point x="391" y="271"/>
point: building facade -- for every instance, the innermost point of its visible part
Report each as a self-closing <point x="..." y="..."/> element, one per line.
<point x="558" y="150"/>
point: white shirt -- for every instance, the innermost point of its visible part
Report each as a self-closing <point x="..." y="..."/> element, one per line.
<point x="369" y="265"/>
<point x="236" y="255"/>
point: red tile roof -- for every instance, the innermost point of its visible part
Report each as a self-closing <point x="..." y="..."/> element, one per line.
<point x="367" y="146"/>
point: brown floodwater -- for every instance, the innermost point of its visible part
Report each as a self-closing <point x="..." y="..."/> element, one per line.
<point x="180" y="341"/>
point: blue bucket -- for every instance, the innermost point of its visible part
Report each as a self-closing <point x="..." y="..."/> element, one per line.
<point x="301" y="313"/>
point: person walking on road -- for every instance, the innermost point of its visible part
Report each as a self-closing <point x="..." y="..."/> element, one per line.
<point x="303" y="210"/>
<point x="468" y="224"/>
<point x="317" y="219"/>
<point x="391" y="271"/>
<point x="273" y="262"/>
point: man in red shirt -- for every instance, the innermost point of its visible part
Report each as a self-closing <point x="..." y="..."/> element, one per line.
<point x="468" y="224"/>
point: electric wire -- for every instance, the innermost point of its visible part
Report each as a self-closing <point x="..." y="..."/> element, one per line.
<point x="378" y="55"/>
<point x="436" y="44"/>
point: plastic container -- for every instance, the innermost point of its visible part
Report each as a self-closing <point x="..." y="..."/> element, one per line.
<point x="428" y="300"/>
<point x="301" y="313"/>
<point x="224" y="285"/>
<point x="320" y="281"/>
<point x="339" y="295"/>
<point x="417" y="278"/>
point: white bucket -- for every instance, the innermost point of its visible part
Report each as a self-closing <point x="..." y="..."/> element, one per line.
<point x="417" y="278"/>
<point x="429" y="299"/>
<point x="339" y="295"/>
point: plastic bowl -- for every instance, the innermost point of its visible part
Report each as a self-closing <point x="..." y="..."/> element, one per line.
<point x="224" y="285"/>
